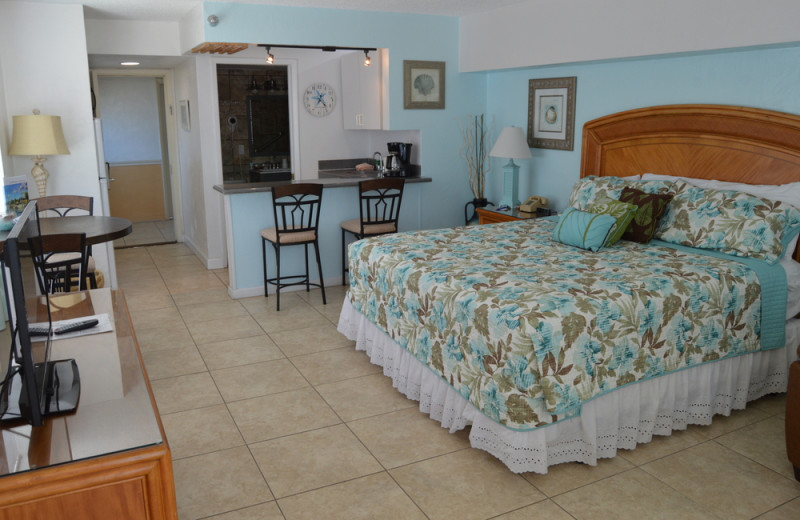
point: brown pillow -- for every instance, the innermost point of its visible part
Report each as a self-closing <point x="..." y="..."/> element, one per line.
<point x="651" y="208"/>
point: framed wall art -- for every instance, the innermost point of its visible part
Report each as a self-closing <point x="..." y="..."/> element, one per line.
<point x="423" y="84"/>
<point x="551" y="113"/>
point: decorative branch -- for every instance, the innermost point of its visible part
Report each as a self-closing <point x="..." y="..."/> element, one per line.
<point x="474" y="153"/>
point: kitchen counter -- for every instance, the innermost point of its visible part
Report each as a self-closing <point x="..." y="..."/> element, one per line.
<point x="338" y="181"/>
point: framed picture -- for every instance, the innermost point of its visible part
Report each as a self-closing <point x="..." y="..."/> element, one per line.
<point x="551" y="113"/>
<point x="423" y="84"/>
<point x="16" y="193"/>
<point x="186" y="117"/>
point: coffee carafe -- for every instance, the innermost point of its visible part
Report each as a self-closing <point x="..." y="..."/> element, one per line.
<point x="402" y="157"/>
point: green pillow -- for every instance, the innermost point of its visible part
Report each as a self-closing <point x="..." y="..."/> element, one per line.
<point x="582" y="229"/>
<point x="622" y="211"/>
<point x="651" y="208"/>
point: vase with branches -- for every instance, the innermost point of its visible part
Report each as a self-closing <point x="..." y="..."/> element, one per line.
<point x="475" y="135"/>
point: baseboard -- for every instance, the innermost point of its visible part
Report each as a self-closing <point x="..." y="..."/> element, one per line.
<point x="249" y="292"/>
<point x="210" y="263"/>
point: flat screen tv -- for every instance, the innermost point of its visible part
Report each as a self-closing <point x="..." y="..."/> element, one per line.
<point x="33" y="385"/>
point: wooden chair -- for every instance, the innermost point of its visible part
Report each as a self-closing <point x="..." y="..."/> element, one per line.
<point x="55" y="206"/>
<point x="295" y="209"/>
<point x="793" y="417"/>
<point x="60" y="261"/>
<point x="379" y="208"/>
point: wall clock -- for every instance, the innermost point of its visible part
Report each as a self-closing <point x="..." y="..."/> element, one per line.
<point x="319" y="99"/>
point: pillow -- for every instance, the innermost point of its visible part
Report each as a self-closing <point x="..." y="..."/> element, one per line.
<point x="583" y="229"/>
<point x="622" y="211"/>
<point x="586" y="190"/>
<point x="732" y="222"/>
<point x="651" y="207"/>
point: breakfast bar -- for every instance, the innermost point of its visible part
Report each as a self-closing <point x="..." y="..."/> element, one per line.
<point x="248" y="210"/>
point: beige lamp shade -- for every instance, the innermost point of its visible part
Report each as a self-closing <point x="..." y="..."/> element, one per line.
<point x="38" y="135"/>
<point x="511" y="144"/>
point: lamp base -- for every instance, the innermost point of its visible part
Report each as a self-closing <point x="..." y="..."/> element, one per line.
<point x="40" y="175"/>
<point x="510" y="185"/>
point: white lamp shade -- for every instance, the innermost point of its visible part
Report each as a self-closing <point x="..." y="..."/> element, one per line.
<point x="38" y="135"/>
<point x="511" y="144"/>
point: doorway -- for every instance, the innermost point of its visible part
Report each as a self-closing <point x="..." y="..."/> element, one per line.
<point x="137" y="136"/>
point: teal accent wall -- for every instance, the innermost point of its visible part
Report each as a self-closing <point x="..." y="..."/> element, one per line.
<point x="407" y="37"/>
<point x="758" y="77"/>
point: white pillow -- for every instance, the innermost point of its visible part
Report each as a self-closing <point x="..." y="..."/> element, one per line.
<point x="788" y="193"/>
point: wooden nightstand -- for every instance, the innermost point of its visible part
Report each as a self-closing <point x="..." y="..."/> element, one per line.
<point x="492" y="216"/>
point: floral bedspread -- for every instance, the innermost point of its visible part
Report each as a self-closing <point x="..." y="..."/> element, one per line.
<point x="526" y="328"/>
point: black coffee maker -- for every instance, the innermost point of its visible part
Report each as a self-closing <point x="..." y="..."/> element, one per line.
<point x="398" y="162"/>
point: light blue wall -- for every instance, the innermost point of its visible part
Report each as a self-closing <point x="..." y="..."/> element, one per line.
<point x="407" y="37"/>
<point x="764" y="78"/>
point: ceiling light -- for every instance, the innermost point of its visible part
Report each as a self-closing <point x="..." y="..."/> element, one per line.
<point x="367" y="61"/>
<point x="270" y="58"/>
<point x="129" y="63"/>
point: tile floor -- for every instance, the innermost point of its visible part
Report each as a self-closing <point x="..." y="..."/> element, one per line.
<point x="275" y="415"/>
<point x="148" y="233"/>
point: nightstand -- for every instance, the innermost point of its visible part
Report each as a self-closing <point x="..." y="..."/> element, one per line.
<point x="492" y="216"/>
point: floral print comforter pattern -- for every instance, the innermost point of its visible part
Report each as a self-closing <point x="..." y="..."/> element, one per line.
<point x="526" y="328"/>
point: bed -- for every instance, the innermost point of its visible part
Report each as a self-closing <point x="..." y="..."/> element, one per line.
<point x="553" y="353"/>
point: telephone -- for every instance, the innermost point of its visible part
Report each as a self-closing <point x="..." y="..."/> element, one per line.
<point x="532" y="204"/>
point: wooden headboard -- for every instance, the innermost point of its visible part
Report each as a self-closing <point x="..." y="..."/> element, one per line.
<point x="728" y="143"/>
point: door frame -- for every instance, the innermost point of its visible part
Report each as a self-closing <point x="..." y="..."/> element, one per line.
<point x="170" y="116"/>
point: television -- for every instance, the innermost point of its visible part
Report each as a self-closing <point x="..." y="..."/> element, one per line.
<point x="33" y="385"/>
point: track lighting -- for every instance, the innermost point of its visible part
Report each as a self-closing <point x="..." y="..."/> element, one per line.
<point x="270" y="57"/>
<point x="367" y="61"/>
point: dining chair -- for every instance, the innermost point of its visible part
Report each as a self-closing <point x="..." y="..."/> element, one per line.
<point x="379" y="208"/>
<point x="295" y="208"/>
<point x="54" y="206"/>
<point x="60" y="261"/>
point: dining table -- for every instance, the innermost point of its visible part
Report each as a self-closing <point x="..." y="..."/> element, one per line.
<point x="98" y="228"/>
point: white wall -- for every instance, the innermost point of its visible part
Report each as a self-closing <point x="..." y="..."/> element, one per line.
<point x="128" y="37"/>
<point x="129" y="110"/>
<point x="5" y="131"/>
<point x="543" y="32"/>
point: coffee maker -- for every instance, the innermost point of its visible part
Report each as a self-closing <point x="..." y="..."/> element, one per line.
<point x="398" y="162"/>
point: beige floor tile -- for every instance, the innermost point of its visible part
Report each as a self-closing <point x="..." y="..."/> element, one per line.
<point x="286" y="413"/>
<point x="723" y="481"/>
<point x="546" y="509"/>
<point x="147" y="300"/>
<point x="141" y="279"/>
<point x="202" y="296"/>
<point x="311" y="338"/>
<point x="364" y="397"/>
<point x="465" y="484"/>
<point x="162" y="364"/>
<point x="151" y="318"/>
<point x="269" y="377"/>
<point x="132" y="259"/>
<point x="220" y="330"/>
<point x="722" y="424"/>
<point x="764" y="442"/>
<point x="396" y="438"/>
<point x="169" y="335"/>
<point x="313" y="459"/>
<point x="333" y="293"/>
<point x="168" y="262"/>
<point x="267" y="511"/>
<point x="367" y="498"/>
<point x="296" y="317"/>
<point x="562" y="478"/>
<point x="178" y="249"/>
<point x="218" y="482"/>
<point x="661" y="446"/>
<point x="334" y="365"/>
<point x="203" y="312"/>
<point x="238" y="352"/>
<point x="788" y="511"/>
<point x="259" y="304"/>
<point x="193" y="282"/>
<point x="771" y="404"/>
<point x="185" y="392"/>
<point x="631" y="495"/>
<point x="199" y="431"/>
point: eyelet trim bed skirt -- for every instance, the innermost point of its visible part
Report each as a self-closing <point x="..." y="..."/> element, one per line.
<point x="618" y="420"/>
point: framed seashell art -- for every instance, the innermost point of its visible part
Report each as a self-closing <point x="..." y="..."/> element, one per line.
<point x="423" y="84"/>
<point x="551" y="113"/>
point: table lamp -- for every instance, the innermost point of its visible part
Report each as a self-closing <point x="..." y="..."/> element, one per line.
<point x="511" y="144"/>
<point x="38" y="135"/>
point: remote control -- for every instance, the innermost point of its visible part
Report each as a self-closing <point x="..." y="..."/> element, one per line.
<point x="78" y="325"/>
<point x="38" y="331"/>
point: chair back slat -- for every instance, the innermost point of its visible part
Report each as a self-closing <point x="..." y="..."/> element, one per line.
<point x="296" y="208"/>
<point x="63" y="205"/>
<point x="56" y="258"/>
<point x="379" y="201"/>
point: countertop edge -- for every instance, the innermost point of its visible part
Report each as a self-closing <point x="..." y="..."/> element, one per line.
<point x="258" y="187"/>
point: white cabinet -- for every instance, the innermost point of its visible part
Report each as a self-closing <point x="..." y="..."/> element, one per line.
<point x="361" y="92"/>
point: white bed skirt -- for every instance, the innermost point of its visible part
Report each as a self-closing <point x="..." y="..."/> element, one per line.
<point x="618" y="420"/>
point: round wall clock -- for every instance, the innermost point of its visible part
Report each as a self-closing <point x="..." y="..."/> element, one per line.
<point x="319" y="99"/>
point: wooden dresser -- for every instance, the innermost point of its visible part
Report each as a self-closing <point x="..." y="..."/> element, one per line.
<point x="492" y="216"/>
<point x="110" y="458"/>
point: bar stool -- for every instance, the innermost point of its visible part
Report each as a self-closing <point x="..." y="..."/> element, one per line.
<point x="295" y="208"/>
<point x="379" y="207"/>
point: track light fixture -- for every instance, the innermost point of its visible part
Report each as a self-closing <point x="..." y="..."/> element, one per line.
<point x="367" y="61"/>
<point x="324" y="48"/>
<point x="270" y="58"/>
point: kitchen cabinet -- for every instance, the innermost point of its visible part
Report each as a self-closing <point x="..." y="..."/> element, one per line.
<point x="361" y="92"/>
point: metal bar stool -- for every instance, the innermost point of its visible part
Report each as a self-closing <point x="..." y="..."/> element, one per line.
<point x="379" y="208"/>
<point x="295" y="208"/>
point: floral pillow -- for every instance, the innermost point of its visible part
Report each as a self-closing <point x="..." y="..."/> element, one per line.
<point x="622" y="211"/>
<point x="586" y="190"/>
<point x="730" y="221"/>
<point x="651" y="206"/>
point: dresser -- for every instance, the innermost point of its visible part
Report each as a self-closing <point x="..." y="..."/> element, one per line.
<point x="492" y="216"/>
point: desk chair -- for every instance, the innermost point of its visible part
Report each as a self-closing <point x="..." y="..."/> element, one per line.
<point x="60" y="261"/>
<point x="295" y="208"/>
<point x="379" y="207"/>
<point x="55" y="206"/>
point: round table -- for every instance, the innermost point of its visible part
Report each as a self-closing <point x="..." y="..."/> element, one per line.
<point x="98" y="229"/>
